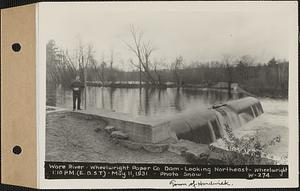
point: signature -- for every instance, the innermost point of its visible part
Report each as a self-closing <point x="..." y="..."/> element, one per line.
<point x="195" y="184"/>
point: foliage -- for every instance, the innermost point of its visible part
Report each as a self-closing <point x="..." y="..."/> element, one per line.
<point x="247" y="149"/>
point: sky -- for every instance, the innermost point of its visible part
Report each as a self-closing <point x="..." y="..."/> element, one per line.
<point x="195" y="31"/>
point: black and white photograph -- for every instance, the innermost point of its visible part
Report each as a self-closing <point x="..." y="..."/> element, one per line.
<point x="167" y="86"/>
<point x="168" y="83"/>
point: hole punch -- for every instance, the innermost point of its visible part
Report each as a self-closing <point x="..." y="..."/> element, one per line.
<point x="17" y="150"/>
<point x="16" y="47"/>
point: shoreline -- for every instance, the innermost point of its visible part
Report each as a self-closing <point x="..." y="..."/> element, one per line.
<point x="264" y="92"/>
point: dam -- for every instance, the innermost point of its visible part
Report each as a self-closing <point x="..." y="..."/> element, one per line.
<point x="207" y="125"/>
<point x="200" y="125"/>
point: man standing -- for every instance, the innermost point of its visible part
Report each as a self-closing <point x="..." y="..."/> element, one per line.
<point x="76" y="86"/>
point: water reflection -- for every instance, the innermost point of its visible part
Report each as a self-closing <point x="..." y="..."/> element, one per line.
<point x="142" y="101"/>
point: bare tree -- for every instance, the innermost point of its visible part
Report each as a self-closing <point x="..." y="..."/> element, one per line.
<point x="157" y="69"/>
<point x="244" y="66"/>
<point x="176" y="68"/>
<point x="111" y="71"/>
<point x="98" y="73"/>
<point x="60" y="68"/>
<point x="102" y="72"/>
<point x="228" y="63"/>
<point x="142" y="50"/>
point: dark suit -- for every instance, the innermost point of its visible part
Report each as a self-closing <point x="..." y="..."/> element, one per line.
<point x="76" y="86"/>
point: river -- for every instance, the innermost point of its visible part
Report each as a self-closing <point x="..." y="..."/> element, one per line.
<point x="153" y="102"/>
<point x="164" y="103"/>
<point x="144" y="101"/>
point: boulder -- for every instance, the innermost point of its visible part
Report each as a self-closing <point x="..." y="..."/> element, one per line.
<point x="130" y="144"/>
<point x="190" y="156"/>
<point x="177" y="148"/>
<point x="196" y="156"/>
<point x="115" y="140"/>
<point x="109" y="128"/>
<point x="119" y="135"/>
<point x="155" y="148"/>
<point x="215" y="158"/>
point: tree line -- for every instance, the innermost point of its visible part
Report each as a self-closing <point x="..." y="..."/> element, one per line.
<point x="270" y="78"/>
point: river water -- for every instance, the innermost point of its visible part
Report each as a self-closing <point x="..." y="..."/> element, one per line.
<point x="153" y="102"/>
<point x="144" y="101"/>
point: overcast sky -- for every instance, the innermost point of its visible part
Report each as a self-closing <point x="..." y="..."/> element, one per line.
<point x="198" y="32"/>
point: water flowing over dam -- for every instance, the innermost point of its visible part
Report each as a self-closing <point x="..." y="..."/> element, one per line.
<point x="207" y="125"/>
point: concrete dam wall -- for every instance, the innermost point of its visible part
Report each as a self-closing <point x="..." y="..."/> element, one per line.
<point x="201" y="125"/>
<point x="207" y="125"/>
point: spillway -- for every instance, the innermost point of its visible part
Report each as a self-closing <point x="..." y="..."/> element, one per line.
<point x="206" y="125"/>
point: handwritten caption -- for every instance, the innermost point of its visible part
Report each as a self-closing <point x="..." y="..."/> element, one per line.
<point x="198" y="183"/>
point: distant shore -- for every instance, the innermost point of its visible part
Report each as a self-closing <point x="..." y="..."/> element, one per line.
<point x="250" y="91"/>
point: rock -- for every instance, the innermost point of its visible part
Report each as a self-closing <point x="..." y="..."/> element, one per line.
<point x="193" y="152"/>
<point x="109" y="128"/>
<point x="216" y="159"/>
<point x="131" y="145"/>
<point x="190" y="156"/>
<point x="197" y="155"/>
<point x="119" y="135"/>
<point x="115" y="140"/>
<point x="155" y="148"/>
<point x="203" y="158"/>
<point x="177" y="148"/>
